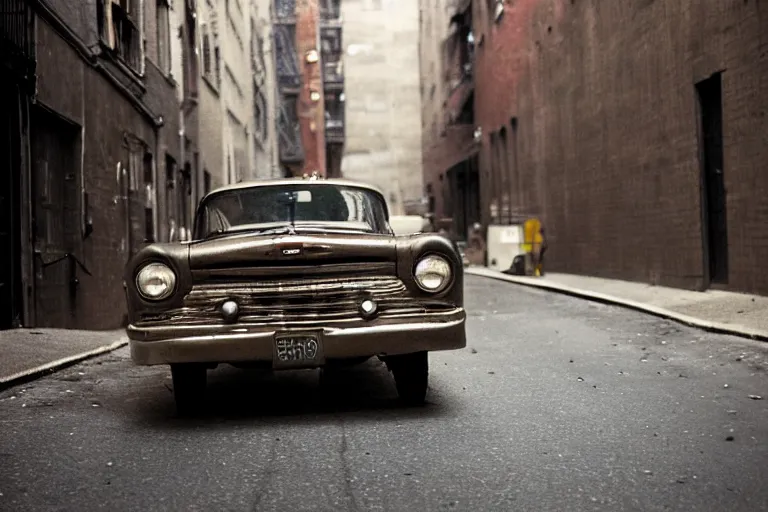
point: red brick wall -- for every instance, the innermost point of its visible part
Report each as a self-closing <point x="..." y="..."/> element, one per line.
<point x="607" y="125"/>
<point x="311" y="113"/>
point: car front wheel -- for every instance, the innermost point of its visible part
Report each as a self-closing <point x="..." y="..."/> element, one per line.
<point x="411" y="376"/>
<point x="189" y="382"/>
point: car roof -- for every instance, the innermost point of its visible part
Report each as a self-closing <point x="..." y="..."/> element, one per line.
<point x="294" y="181"/>
<point x="308" y="181"/>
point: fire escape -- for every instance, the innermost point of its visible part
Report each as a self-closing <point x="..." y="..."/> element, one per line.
<point x="16" y="42"/>
<point x="290" y="147"/>
<point x="333" y="83"/>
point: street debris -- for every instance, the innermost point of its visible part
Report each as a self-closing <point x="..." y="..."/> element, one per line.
<point x="473" y="351"/>
<point x="580" y="379"/>
<point x="726" y="386"/>
<point x="729" y="438"/>
<point x="755" y="397"/>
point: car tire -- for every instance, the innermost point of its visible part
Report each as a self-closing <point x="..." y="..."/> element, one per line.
<point x="411" y="373"/>
<point x="189" y="382"/>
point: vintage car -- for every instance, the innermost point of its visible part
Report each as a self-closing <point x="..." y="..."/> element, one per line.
<point x="294" y="274"/>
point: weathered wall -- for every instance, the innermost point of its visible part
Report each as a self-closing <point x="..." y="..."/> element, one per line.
<point x="210" y="112"/>
<point x="236" y="89"/>
<point x="383" y="112"/>
<point x="266" y="143"/>
<point x="75" y="90"/>
<point x="607" y="130"/>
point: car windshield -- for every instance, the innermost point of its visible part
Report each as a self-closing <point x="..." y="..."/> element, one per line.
<point x="268" y="208"/>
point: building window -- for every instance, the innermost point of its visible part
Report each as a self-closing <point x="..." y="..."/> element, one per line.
<point x="330" y="9"/>
<point x="285" y="8"/>
<point x="211" y="58"/>
<point x="217" y="62"/>
<point x="149" y="201"/>
<point x="206" y="54"/>
<point x="134" y="167"/>
<point x="189" y="50"/>
<point x="259" y="115"/>
<point x="118" y="24"/>
<point x="206" y="182"/>
<point x="164" y="36"/>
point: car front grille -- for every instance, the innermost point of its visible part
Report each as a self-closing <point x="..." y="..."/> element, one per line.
<point x="296" y="301"/>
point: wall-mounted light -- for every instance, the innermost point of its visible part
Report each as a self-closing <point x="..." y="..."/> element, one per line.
<point x="314" y="95"/>
<point x="312" y="56"/>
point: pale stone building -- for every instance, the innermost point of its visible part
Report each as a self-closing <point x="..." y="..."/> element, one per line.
<point x="236" y="86"/>
<point x="382" y="99"/>
<point x="210" y="103"/>
<point x="264" y="87"/>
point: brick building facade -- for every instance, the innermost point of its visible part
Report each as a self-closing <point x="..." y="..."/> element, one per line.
<point x="310" y="120"/>
<point x="635" y="130"/>
<point x="450" y="144"/>
<point x="100" y="137"/>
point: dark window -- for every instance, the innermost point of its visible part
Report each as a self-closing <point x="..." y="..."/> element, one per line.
<point x="119" y="30"/>
<point x="189" y="47"/>
<point x="206" y="182"/>
<point x="285" y="8"/>
<point x="163" y="36"/>
<point x="710" y="97"/>
<point x="206" y="54"/>
<point x="330" y="9"/>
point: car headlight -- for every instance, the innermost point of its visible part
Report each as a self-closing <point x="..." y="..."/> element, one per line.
<point x="156" y="281"/>
<point x="433" y="273"/>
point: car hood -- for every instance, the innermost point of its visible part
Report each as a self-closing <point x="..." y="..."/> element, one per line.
<point x="243" y="250"/>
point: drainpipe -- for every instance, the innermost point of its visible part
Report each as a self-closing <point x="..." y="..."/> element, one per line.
<point x="180" y="167"/>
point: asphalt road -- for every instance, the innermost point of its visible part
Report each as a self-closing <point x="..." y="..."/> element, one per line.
<point x="556" y="404"/>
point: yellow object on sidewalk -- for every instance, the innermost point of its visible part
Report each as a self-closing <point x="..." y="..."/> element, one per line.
<point x="531" y="234"/>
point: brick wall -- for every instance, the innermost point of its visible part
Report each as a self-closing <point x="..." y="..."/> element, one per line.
<point x="607" y="128"/>
<point x="311" y="113"/>
<point x="74" y="89"/>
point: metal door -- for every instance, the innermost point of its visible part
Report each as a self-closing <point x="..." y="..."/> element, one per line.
<point x="55" y="220"/>
<point x="10" y="255"/>
<point x="714" y="198"/>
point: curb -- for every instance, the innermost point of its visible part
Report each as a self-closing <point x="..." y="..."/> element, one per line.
<point x="690" y="321"/>
<point x="54" y="366"/>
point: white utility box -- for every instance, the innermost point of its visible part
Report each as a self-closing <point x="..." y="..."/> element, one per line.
<point x="503" y="244"/>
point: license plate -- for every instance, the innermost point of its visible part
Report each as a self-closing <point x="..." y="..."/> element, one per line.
<point x="298" y="351"/>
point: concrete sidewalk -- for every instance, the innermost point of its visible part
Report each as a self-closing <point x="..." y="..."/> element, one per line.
<point x="717" y="311"/>
<point x="26" y="354"/>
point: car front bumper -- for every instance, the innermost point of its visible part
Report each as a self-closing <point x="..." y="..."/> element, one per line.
<point x="252" y="343"/>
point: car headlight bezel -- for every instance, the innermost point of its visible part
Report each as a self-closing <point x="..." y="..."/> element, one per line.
<point x="433" y="265"/>
<point x="157" y="270"/>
